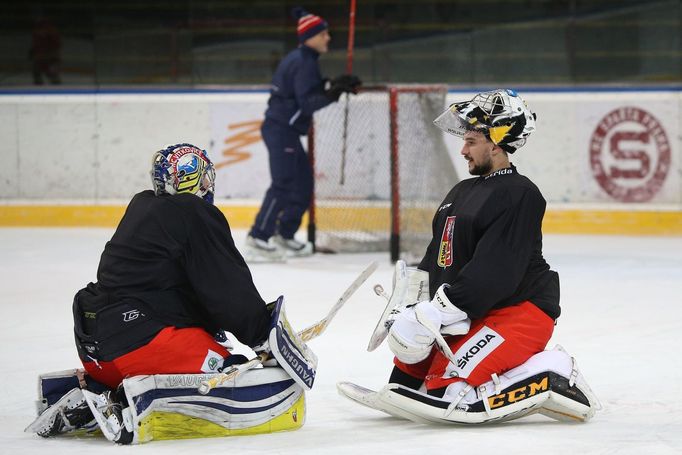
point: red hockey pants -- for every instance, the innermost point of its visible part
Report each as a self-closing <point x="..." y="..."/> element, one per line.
<point x="171" y="351"/>
<point x="496" y="343"/>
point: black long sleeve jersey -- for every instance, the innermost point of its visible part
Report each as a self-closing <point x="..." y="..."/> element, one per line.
<point x="171" y="262"/>
<point x="487" y="244"/>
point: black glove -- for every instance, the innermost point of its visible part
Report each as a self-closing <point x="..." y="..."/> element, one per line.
<point x="349" y="82"/>
<point x="346" y="83"/>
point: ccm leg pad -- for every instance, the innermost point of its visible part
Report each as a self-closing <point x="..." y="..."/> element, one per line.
<point x="549" y="383"/>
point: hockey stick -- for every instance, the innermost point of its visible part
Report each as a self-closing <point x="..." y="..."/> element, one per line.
<point x="313" y="331"/>
<point x="316" y="329"/>
<point x="349" y="70"/>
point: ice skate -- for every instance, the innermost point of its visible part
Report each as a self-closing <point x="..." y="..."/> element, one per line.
<point x="292" y="247"/>
<point x="68" y="414"/>
<point x="262" y="251"/>
<point x="113" y="417"/>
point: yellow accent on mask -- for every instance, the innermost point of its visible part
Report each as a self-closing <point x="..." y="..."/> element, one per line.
<point x="189" y="183"/>
<point x="498" y="133"/>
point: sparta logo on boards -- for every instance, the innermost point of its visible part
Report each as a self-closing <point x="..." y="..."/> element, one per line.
<point x="630" y="154"/>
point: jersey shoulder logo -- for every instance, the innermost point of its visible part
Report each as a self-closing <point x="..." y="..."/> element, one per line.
<point x="445" y="250"/>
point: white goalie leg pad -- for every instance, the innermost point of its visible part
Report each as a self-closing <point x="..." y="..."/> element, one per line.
<point x="410" y="285"/>
<point x="549" y="383"/>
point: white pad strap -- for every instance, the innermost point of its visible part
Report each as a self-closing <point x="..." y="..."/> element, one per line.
<point x="484" y="397"/>
<point x="460" y="396"/>
<point x="574" y="372"/>
<point x="577" y="378"/>
<point x="483" y="391"/>
<point x="496" y="381"/>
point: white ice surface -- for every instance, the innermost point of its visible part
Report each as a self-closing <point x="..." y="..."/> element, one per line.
<point x="622" y="320"/>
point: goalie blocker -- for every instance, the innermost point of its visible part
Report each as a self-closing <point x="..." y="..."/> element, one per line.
<point x="549" y="383"/>
<point x="292" y="353"/>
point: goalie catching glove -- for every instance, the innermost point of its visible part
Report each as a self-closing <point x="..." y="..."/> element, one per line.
<point x="410" y="286"/>
<point x="417" y="327"/>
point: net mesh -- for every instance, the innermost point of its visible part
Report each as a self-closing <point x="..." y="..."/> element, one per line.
<point x="353" y="191"/>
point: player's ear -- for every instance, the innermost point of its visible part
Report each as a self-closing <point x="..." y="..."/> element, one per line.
<point x="497" y="150"/>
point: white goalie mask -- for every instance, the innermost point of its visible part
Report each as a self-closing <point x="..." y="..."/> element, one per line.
<point x="502" y="115"/>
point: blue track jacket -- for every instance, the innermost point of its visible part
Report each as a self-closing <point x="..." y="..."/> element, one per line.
<point x="297" y="90"/>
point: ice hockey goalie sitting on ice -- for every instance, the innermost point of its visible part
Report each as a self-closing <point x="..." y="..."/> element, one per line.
<point x="470" y="324"/>
<point x="170" y="279"/>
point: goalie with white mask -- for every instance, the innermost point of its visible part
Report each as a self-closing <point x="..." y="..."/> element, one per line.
<point x="493" y="299"/>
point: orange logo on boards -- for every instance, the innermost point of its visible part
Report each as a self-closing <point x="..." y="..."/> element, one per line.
<point x="247" y="133"/>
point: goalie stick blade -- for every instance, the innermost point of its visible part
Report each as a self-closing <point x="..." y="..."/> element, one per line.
<point x="358" y="394"/>
<point x="376" y="400"/>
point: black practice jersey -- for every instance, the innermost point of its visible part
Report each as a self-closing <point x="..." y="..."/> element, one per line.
<point x="487" y="244"/>
<point x="173" y="259"/>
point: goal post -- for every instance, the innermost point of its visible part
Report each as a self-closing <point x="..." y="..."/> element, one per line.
<point x="381" y="172"/>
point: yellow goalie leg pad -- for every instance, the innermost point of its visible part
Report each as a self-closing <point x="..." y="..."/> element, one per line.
<point x="169" y="425"/>
<point x="262" y="400"/>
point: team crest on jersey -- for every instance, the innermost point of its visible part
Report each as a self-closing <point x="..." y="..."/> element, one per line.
<point x="445" y="251"/>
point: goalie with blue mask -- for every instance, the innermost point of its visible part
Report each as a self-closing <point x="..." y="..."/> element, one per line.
<point x="169" y="279"/>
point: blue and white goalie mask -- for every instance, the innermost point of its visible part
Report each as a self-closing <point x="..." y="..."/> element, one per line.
<point x="502" y="115"/>
<point x="183" y="168"/>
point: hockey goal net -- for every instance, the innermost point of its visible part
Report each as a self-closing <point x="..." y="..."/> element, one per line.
<point x="381" y="169"/>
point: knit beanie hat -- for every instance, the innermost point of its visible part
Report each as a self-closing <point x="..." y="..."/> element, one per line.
<point x="309" y="25"/>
